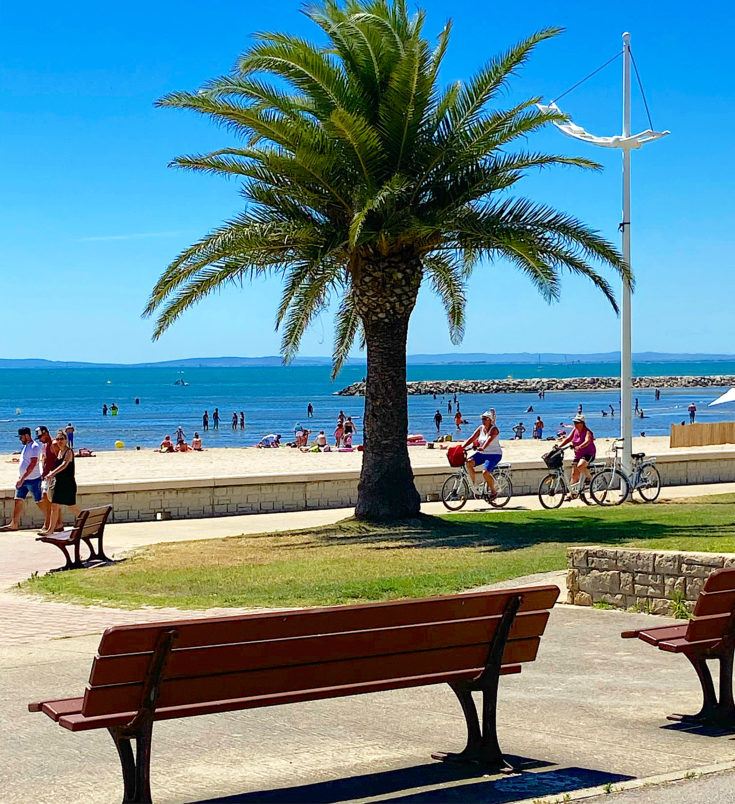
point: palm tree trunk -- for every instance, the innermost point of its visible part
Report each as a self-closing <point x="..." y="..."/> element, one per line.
<point x="385" y="294"/>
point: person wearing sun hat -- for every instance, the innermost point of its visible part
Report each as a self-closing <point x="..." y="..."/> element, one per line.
<point x="583" y="441"/>
<point x="486" y="440"/>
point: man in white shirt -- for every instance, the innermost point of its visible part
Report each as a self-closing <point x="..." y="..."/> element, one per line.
<point x="29" y="478"/>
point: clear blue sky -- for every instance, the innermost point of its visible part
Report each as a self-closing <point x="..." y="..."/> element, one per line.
<point x="92" y="214"/>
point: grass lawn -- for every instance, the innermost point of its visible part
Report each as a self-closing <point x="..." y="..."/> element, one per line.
<point x="351" y="562"/>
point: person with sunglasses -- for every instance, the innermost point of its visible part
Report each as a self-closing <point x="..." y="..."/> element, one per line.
<point x="29" y="478"/>
<point x="62" y="483"/>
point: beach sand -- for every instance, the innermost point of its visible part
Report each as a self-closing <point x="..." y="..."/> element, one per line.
<point x="223" y="462"/>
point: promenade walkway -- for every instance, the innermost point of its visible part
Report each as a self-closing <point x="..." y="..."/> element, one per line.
<point x="588" y="712"/>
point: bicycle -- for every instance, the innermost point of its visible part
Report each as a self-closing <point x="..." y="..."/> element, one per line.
<point x="644" y="477"/>
<point x="554" y="488"/>
<point x="458" y="488"/>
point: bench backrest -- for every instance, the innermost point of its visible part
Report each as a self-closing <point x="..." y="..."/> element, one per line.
<point x="714" y="612"/>
<point x="297" y="655"/>
<point x="91" y="521"/>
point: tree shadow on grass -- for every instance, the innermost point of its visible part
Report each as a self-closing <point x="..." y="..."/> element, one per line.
<point x="492" y="533"/>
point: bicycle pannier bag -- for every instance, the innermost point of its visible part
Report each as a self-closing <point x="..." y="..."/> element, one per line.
<point x="455" y="455"/>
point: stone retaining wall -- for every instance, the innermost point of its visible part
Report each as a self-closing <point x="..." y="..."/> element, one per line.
<point x="184" y="498"/>
<point x="654" y="581"/>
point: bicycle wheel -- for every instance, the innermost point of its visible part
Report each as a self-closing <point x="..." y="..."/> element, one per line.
<point x="609" y="487"/>
<point x="649" y="483"/>
<point x="551" y="491"/>
<point x="504" y="489"/>
<point x="455" y="492"/>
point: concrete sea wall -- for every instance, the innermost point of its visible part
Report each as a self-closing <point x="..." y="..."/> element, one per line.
<point x="141" y="500"/>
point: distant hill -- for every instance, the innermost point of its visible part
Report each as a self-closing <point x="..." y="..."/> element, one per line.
<point x="438" y="359"/>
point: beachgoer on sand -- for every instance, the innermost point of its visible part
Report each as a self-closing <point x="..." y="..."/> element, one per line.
<point x="538" y="428"/>
<point x="486" y="440"/>
<point x="349" y="426"/>
<point x="29" y="478"/>
<point x="321" y="439"/>
<point x="271" y="440"/>
<point x="167" y="445"/>
<point x="338" y="433"/>
<point x="519" y="430"/>
<point x="196" y="443"/>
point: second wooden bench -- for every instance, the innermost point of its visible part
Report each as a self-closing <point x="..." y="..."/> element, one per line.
<point x="144" y="673"/>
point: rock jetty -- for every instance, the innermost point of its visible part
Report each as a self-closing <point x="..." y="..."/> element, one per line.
<point x="534" y="385"/>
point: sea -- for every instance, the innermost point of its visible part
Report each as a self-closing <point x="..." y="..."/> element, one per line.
<point x="274" y="399"/>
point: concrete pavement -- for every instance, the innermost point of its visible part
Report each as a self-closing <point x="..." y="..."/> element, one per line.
<point x="590" y="711"/>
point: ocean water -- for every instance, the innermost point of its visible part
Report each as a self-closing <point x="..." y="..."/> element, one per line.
<point x="274" y="399"/>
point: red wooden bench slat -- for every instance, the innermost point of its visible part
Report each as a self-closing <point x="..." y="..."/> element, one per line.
<point x="274" y="625"/>
<point x="686" y="646"/>
<point x="714" y="603"/>
<point x="220" y="659"/>
<point x="712" y="627"/>
<point x="654" y="635"/>
<point x="468" y="660"/>
<point x="79" y="722"/>
<point x="721" y="580"/>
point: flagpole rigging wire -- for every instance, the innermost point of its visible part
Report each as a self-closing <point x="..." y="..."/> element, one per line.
<point x="640" y="86"/>
<point x="594" y="72"/>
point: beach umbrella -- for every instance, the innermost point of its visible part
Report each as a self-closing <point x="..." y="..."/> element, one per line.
<point x="728" y="396"/>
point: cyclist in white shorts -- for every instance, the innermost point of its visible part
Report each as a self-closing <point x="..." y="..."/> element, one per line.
<point x="486" y="440"/>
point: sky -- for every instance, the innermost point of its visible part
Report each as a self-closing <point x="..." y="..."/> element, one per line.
<point x="93" y="214"/>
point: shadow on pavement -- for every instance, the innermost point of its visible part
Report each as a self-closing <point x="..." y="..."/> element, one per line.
<point x="449" y="783"/>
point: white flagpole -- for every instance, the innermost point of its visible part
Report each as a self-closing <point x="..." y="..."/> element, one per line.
<point x="626" y="360"/>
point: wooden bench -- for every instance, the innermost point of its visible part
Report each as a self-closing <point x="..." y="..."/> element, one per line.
<point x="710" y="634"/>
<point x="89" y="525"/>
<point x="158" y="671"/>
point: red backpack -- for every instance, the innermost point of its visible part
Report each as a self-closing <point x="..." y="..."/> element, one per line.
<point x="455" y="455"/>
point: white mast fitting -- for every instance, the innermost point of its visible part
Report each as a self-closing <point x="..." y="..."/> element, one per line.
<point x="626" y="142"/>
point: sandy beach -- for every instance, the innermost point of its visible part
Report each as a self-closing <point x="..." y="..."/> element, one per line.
<point x="147" y="464"/>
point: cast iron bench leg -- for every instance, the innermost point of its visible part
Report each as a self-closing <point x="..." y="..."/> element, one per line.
<point x="709" y="698"/>
<point x="726" y="706"/>
<point x="136" y="770"/>
<point x="482" y="743"/>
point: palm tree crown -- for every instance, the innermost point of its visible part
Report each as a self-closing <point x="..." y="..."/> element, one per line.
<point x="362" y="176"/>
<point x="352" y="149"/>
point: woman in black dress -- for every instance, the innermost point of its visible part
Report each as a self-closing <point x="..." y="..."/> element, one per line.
<point x="64" y="490"/>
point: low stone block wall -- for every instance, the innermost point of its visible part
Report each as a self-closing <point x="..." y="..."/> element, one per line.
<point x="654" y="581"/>
<point x="183" y="498"/>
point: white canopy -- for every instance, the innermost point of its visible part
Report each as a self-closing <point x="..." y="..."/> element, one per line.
<point x="728" y="396"/>
<point x="578" y="133"/>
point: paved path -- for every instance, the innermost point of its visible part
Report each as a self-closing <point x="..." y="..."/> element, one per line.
<point x="588" y="712"/>
<point x="27" y="619"/>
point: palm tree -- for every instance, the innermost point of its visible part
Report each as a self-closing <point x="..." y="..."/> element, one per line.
<point x="363" y="178"/>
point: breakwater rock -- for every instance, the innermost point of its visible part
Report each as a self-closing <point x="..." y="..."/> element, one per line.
<point x="534" y="385"/>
